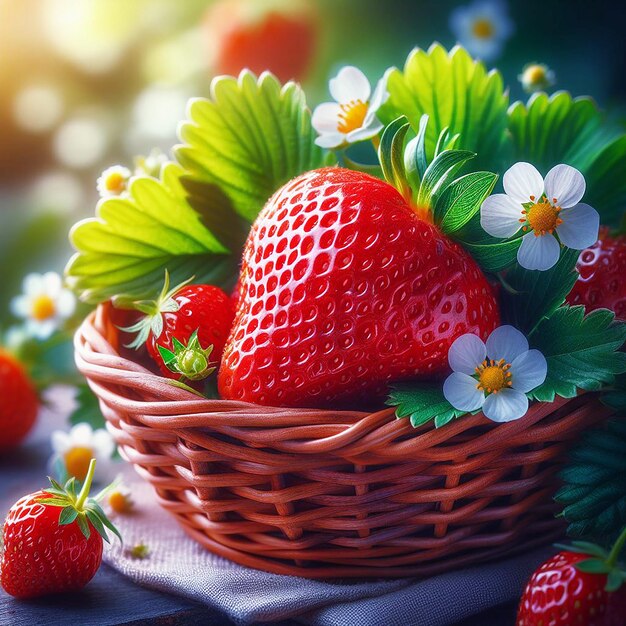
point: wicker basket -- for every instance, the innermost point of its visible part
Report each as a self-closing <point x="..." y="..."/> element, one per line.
<point x="327" y="494"/>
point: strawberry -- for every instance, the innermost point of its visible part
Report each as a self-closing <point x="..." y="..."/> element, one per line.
<point x="343" y="288"/>
<point x="602" y="280"/>
<point x="184" y="328"/>
<point x="571" y="588"/>
<point x="278" y="36"/>
<point x="19" y="405"/>
<point x="53" y="540"/>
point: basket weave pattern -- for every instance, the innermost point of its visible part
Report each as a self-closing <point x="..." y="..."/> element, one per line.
<point x="327" y="494"/>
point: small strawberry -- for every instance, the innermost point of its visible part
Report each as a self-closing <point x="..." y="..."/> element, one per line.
<point x="580" y="585"/>
<point x="602" y="280"/>
<point x="345" y="286"/>
<point x="184" y="328"/>
<point x="53" y="540"/>
<point x="19" y="403"/>
<point x="278" y="36"/>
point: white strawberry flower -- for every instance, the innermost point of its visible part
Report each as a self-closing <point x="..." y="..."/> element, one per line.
<point x="113" y="181"/>
<point x="482" y="27"/>
<point x="75" y="449"/>
<point x="44" y="303"/>
<point x="545" y="209"/>
<point x="495" y="375"/>
<point x="352" y="117"/>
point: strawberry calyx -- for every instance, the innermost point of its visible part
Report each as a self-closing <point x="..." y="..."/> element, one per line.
<point x="79" y="507"/>
<point x="602" y="562"/>
<point x="191" y="360"/>
<point x="419" y="180"/>
<point x="152" y="322"/>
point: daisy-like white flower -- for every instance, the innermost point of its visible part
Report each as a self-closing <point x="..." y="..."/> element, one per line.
<point x="151" y="165"/>
<point x="352" y="117"/>
<point x="536" y="77"/>
<point x="543" y="209"/>
<point x="482" y="27"/>
<point x="113" y="181"/>
<point x="74" y="450"/>
<point x="120" y="500"/>
<point x="494" y="376"/>
<point x="44" y="303"/>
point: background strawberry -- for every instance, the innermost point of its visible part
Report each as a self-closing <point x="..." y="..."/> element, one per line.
<point x="602" y="280"/>
<point x="19" y="403"/>
<point x="580" y="585"/>
<point x="189" y="324"/>
<point x="343" y="288"/>
<point x="53" y="541"/>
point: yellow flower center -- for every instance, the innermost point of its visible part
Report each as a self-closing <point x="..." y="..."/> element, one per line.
<point x="483" y="28"/>
<point x="119" y="502"/>
<point x="535" y="74"/>
<point x="493" y="375"/>
<point x="42" y="308"/>
<point x="542" y="217"/>
<point x="352" y="116"/>
<point x="115" y="182"/>
<point x="77" y="461"/>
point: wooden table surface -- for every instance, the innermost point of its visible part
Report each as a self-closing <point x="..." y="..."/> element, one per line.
<point x="110" y="598"/>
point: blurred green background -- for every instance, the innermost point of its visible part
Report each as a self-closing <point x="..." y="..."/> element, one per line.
<point x="86" y="84"/>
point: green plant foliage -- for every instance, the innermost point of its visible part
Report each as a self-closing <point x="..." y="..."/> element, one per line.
<point x="248" y="139"/>
<point x="531" y="296"/>
<point x="561" y="129"/>
<point x="593" y="495"/>
<point x="126" y="248"/>
<point x="458" y="94"/>
<point x="582" y="351"/>
<point x="87" y="408"/>
<point x="421" y="403"/>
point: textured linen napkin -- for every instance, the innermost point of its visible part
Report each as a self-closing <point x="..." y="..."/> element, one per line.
<point x="177" y="564"/>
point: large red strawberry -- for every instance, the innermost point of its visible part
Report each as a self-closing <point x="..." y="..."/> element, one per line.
<point x="53" y="541"/>
<point x="185" y="329"/>
<point x="19" y="403"/>
<point x="344" y="288"/>
<point x="580" y="585"/>
<point x="602" y="280"/>
<point x="275" y="35"/>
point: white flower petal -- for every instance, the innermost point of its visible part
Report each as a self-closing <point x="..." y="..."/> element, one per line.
<point x="461" y="22"/>
<point x="483" y="49"/>
<point x="566" y="184"/>
<point x="505" y="406"/>
<point x="325" y="118"/>
<point x="522" y="181"/>
<point x="466" y="353"/>
<point x="103" y="444"/>
<point x="364" y="132"/>
<point x="506" y="342"/>
<point x="81" y="434"/>
<point x="41" y="330"/>
<point x="460" y="391"/>
<point x="350" y="84"/>
<point x="330" y="140"/>
<point x="60" y="441"/>
<point x="52" y="284"/>
<point x="580" y="227"/>
<point x="33" y="285"/>
<point x="538" y="253"/>
<point x="66" y="304"/>
<point x="500" y="216"/>
<point x="20" y="306"/>
<point x="528" y="371"/>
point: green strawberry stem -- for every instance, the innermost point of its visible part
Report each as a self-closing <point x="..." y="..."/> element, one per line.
<point x="617" y="548"/>
<point x="84" y="492"/>
<point x="191" y="360"/>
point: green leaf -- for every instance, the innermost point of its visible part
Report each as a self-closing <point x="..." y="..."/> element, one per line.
<point x="535" y="295"/>
<point x="84" y="526"/>
<point x="561" y="129"/>
<point x="614" y="580"/>
<point x="440" y="173"/>
<point x="586" y="547"/>
<point x="391" y="155"/>
<point x="249" y="138"/>
<point x="462" y="199"/>
<point x="97" y="524"/>
<point x="593" y="495"/>
<point x="593" y="566"/>
<point x="68" y="515"/>
<point x="102" y="516"/>
<point x="126" y="248"/>
<point x="582" y="351"/>
<point x="457" y="93"/>
<point x="87" y="408"/>
<point x="422" y="403"/>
